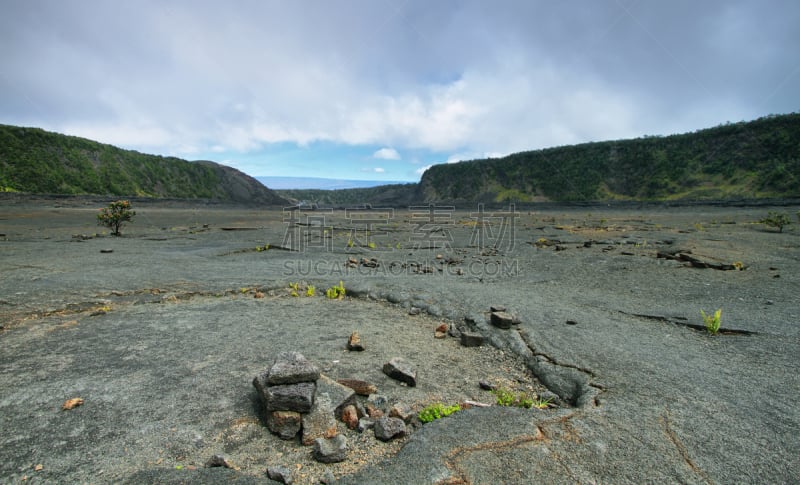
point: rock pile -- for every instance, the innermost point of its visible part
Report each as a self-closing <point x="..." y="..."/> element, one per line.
<point x="299" y="399"/>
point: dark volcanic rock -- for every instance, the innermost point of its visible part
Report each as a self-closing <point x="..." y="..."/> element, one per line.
<point x="217" y="461"/>
<point x="401" y="370"/>
<point x="502" y="320"/>
<point x="280" y="474"/>
<point x="321" y="421"/>
<point x="365" y="424"/>
<point x="338" y="395"/>
<point x="387" y="428"/>
<point x="330" y="450"/>
<point x="471" y="339"/>
<point x="291" y="397"/>
<point x="285" y="424"/>
<point x="292" y="368"/>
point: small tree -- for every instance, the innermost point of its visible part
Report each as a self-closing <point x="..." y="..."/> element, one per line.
<point x="777" y="219"/>
<point x="114" y="215"/>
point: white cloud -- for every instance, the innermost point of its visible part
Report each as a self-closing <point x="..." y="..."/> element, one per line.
<point x="373" y="169"/>
<point x="422" y="170"/>
<point x="200" y="77"/>
<point x="386" y="154"/>
<point x="466" y="156"/>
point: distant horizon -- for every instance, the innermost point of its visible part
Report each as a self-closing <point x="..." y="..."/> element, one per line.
<point x="322" y="183"/>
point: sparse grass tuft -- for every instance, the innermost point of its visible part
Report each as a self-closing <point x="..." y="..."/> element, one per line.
<point x="336" y="292"/>
<point x="506" y="397"/>
<point x="712" y="322"/>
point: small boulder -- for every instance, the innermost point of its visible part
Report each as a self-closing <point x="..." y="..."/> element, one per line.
<point x="471" y="339"/>
<point x="486" y="385"/>
<point x="285" y="424"/>
<point x="365" y="424"/>
<point x="290" y="397"/>
<point x="350" y="416"/>
<point x="401" y="411"/>
<point x="387" y="428"/>
<point x="441" y="331"/>
<point x="354" y="343"/>
<point x="502" y="320"/>
<point x="320" y="422"/>
<point x="338" y="395"/>
<point x="327" y="478"/>
<point x="280" y="474"/>
<point x="497" y="308"/>
<point x="330" y="450"/>
<point x="377" y="400"/>
<point x="401" y="370"/>
<point x="292" y="368"/>
<point x="217" y="461"/>
<point x="362" y="388"/>
<point x="374" y="412"/>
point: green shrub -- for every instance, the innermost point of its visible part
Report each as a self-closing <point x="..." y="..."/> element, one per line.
<point x="712" y="322"/>
<point x="777" y="219"/>
<point x="436" y="411"/>
<point x="113" y="216"/>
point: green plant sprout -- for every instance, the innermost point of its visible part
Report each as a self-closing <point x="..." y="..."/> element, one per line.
<point x="712" y="322"/>
<point x="262" y="248"/>
<point x="336" y="292"/>
<point x="310" y="291"/>
<point x="295" y="287"/>
<point x="437" y="410"/>
<point x="541" y="403"/>
<point x="371" y="245"/>
<point x="506" y="397"/>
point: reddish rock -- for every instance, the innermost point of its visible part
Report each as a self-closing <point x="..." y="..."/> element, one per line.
<point x="401" y="411"/>
<point x="354" y="343"/>
<point x="362" y="388"/>
<point x="441" y="331"/>
<point x="285" y="424"/>
<point x="374" y="412"/>
<point x="350" y="416"/>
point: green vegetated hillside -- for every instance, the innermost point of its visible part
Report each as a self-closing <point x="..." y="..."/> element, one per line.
<point x="389" y="195"/>
<point x="36" y="161"/>
<point x="754" y="159"/>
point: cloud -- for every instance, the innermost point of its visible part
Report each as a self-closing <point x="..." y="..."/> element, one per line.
<point x="386" y="154"/>
<point x="465" y="79"/>
<point x="373" y="169"/>
<point x="422" y="170"/>
<point x="463" y="157"/>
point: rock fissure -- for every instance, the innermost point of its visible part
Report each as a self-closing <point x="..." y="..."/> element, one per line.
<point x="681" y="448"/>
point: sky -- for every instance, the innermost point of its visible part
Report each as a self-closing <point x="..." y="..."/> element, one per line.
<point x="383" y="89"/>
